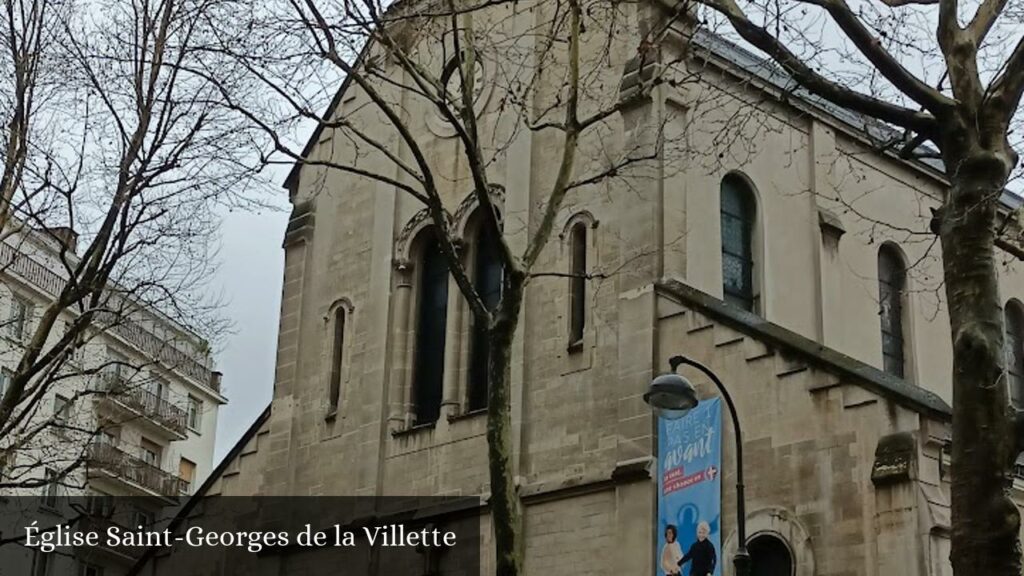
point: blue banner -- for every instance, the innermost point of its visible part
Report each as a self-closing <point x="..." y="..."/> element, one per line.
<point x="690" y="492"/>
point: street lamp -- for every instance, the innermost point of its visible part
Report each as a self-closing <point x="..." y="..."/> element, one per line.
<point x="671" y="396"/>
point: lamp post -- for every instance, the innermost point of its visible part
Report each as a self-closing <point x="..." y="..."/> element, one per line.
<point x="671" y="396"/>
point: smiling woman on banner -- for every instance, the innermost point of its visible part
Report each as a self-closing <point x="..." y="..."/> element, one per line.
<point x="671" y="553"/>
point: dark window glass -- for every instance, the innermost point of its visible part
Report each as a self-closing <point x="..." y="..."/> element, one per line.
<point x="738" y="216"/>
<point x="577" y="284"/>
<point x="428" y="371"/>
<point x="1014" y="343"/>
<point x="487" y="277"/>
<point x="337" y="354"/>
<point x="891" y="282"/>
<point x="769" y="556"/>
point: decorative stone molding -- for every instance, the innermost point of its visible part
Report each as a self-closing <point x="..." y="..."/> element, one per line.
<point x="782" y="524"/>
<point x="469" y="205"/>
<point x="482" y="84"/>
<point x="895" y="456"/>
<point x="831" y="226"/>
<point x="300" y="224"/>
<point x="581" y="216"/>
<point x="403" y="243"/>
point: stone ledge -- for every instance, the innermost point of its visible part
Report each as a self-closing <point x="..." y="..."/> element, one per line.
<point x="856" y="372"/>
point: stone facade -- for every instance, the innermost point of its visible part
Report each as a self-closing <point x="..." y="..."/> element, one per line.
<point x="844" y="462"/>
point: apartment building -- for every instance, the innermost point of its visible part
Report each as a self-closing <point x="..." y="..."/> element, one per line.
<point x="126" y="421"/>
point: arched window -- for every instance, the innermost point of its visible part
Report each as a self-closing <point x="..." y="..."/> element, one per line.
<point x="432" y="315"/>
<point x="892" y="279"/>
<point x="337" y="355"/>
<point x="1013" y="322"/>
<point x="769" y="556"/>
<point x="577" y="285"/>
<point x="739" y="214"/>
<point x="487" y="278"/>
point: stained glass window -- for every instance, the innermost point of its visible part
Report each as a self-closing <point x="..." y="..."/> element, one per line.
<point x="738" y="217"/>
<point x="487" y="278"/>
<point x="428" y="371"/>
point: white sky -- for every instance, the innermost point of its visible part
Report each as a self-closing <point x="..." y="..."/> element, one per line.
<point x="249" y="278"/>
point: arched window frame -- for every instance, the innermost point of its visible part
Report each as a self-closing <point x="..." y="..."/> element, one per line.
<point x="580" y="258"/>
<point x="893" y="293"/>
<point x="744" y="251"/>
<point x="337" y="327"/>
<point x="1013" y="343"/>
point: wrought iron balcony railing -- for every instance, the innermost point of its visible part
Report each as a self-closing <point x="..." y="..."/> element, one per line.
<point x="142" y="401"/>
<point x="111" y="459"/>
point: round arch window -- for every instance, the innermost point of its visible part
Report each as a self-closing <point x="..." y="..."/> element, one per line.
<point x="770" y="556"/>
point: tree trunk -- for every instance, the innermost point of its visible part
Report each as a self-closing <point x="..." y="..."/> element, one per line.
<point x="506" y="512"/>
<point x="985" y="521"/>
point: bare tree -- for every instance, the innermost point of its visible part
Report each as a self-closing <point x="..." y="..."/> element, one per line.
<point x="114" y="158"/>
<point x="954" y="81"/>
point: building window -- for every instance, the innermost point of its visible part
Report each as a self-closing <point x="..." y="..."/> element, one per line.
<point x="141" y="519"/>
<point x="50" y="490"/>
<point x="150" y="453"/>
<point x="195" y="414"/>
<point x="100" y="505"/>
<point x="5" y="381"/>
<point x="17" y="320"/>
<point x="432" y="316"/>
<point x="892" y="279"/>
<point x="337" y="359"/>
<point x="577" y="285"/>
<point x="61" y="410"/>
<point x="769" y="556"/>
<point x="739" y="214"/>
<point x="1013" y="322"/>
<point x="187" y="472"/>
<point x="115" y="372"/>
<point x="487" y="277"/>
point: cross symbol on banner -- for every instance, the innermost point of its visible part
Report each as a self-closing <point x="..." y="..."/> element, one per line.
<point x="712" y="472"/>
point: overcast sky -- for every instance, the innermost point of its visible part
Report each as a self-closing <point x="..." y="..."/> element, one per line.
<point x="249" y="278"/>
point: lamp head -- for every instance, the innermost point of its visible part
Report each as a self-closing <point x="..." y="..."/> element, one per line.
<point x="671" y="396"/>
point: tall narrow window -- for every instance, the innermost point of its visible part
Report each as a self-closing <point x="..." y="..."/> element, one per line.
<point x="150" y="452"/>
<point x="17" y="319"/>
<point x="1014" y="343"/>
<point x="187" y="473"/>
<point x="739" y="214"/>
<point x="61" y="410"/>
<point x="892" y="278"/>
<point x="487" y="278"/>
<point x="432" y="315"/>
<point x="337" y="354"/>
<point x="195" y="414"/>
<point x="578" y="286"/>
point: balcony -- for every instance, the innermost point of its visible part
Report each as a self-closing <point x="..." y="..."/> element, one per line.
<point x="168" y="418"/>
<point x="112" y="461"/>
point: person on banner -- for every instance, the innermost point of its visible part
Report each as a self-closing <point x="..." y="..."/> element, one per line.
<point x="701" y="553"/>
<point x="672" y="553"/>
